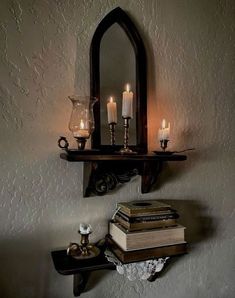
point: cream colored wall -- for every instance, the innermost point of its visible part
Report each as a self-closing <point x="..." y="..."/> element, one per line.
<point x="43" y="54"/>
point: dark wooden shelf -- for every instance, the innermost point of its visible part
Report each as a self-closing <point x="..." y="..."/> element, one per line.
<point x="76" y="156"/>
<point x="81" y="269"/>
<point x="103" y="172"/>
<point x="67" y="265"/>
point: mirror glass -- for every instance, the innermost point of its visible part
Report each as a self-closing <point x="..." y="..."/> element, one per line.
<point x="117" y="68"/>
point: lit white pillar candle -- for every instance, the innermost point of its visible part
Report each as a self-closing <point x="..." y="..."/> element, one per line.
<point x="164" y="132"/>
<point x="112" y="111"/>
<point x="167" y="131"/>
<point x="127" y="103"/>
<point x="82" y="132"/>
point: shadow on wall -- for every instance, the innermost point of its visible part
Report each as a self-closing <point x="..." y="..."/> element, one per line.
<point x="193" y="215"/>
<point x="199" y="227"/>
<point x="26" y="268"/>
<point x="172" y="171"/>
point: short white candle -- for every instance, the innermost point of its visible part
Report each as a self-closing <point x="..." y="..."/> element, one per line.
<point x="127" y="103"/>
<point x="81" y="132"/>
<point x="167" y="131"/>
<point x="163" y="123"/>
<point x="112" y="111"/>
<point x="164" y="132"/>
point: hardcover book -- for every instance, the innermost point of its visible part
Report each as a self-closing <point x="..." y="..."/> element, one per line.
<point x="145" y="254"/>
<point x="171" y="214"/>
<point x="146" y="239"/>
<point x="135" y="226"/>
<point x="145" y="207"/>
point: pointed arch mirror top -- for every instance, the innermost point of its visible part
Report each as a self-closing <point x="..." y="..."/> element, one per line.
<point x="118" y="16"/>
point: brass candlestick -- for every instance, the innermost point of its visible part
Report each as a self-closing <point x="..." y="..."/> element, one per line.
<point x="81" y="141"/>
<point x="85" y="250"/>
<point x="126" y="149"/>
<point x="112" y="133"/>
<point x="164" y="144"/>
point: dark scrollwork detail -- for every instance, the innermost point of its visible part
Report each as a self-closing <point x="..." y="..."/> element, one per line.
<point x="102" y="182"/>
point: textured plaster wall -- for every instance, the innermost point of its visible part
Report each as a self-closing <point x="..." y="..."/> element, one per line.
<point x="44" y="47"/>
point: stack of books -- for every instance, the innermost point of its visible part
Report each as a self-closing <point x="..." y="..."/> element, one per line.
<point x="144" y="230"/>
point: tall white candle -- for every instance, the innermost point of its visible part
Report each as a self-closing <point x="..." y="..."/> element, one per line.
<point x="112" y="111"/>
<point x="127" y="103"/>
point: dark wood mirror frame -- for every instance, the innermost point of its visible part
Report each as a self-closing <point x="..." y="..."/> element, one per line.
<point x="120" y="17"/>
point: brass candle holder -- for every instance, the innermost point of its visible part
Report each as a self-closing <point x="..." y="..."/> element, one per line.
<point x="126" y="149"/>
<point x="85" y="250"/>
<point x="81" y="141"/>
<point x="163" y="144"/>
<point x="112" y="133"/>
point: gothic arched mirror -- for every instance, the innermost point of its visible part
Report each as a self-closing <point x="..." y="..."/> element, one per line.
<point x="117" y="58"/>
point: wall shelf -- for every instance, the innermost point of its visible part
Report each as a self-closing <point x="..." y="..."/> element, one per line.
<point x="104" y="172"/>
<point x="66" y="265"/>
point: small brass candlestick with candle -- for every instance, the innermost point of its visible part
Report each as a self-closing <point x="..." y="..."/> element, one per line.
<point x="127" y="115"/>
<point x="85" y="250"/>
<point x="112" y="119"/>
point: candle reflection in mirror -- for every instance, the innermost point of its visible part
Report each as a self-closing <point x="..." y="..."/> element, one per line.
<point x="112" y="118"/>
<point x="127" y="114"/>
<point x="127" y="103"/>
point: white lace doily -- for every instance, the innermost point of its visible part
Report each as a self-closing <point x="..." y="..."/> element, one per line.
<point x="139" y="270"/>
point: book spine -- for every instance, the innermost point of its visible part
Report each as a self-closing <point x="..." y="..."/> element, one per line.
<point x="148" y="218"/>
<point x="145" y="224"/>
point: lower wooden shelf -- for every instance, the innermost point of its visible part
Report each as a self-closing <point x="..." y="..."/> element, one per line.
<point x="66" y="265"/>
<point x="80" y="270"/>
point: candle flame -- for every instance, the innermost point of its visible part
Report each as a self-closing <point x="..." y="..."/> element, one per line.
<point x="82" y="125"/>
<point x="111" y="99"/>
<point x="128" y="87"/>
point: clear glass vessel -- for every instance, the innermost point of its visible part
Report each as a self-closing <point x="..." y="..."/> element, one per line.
<point x="81" y="122"/>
